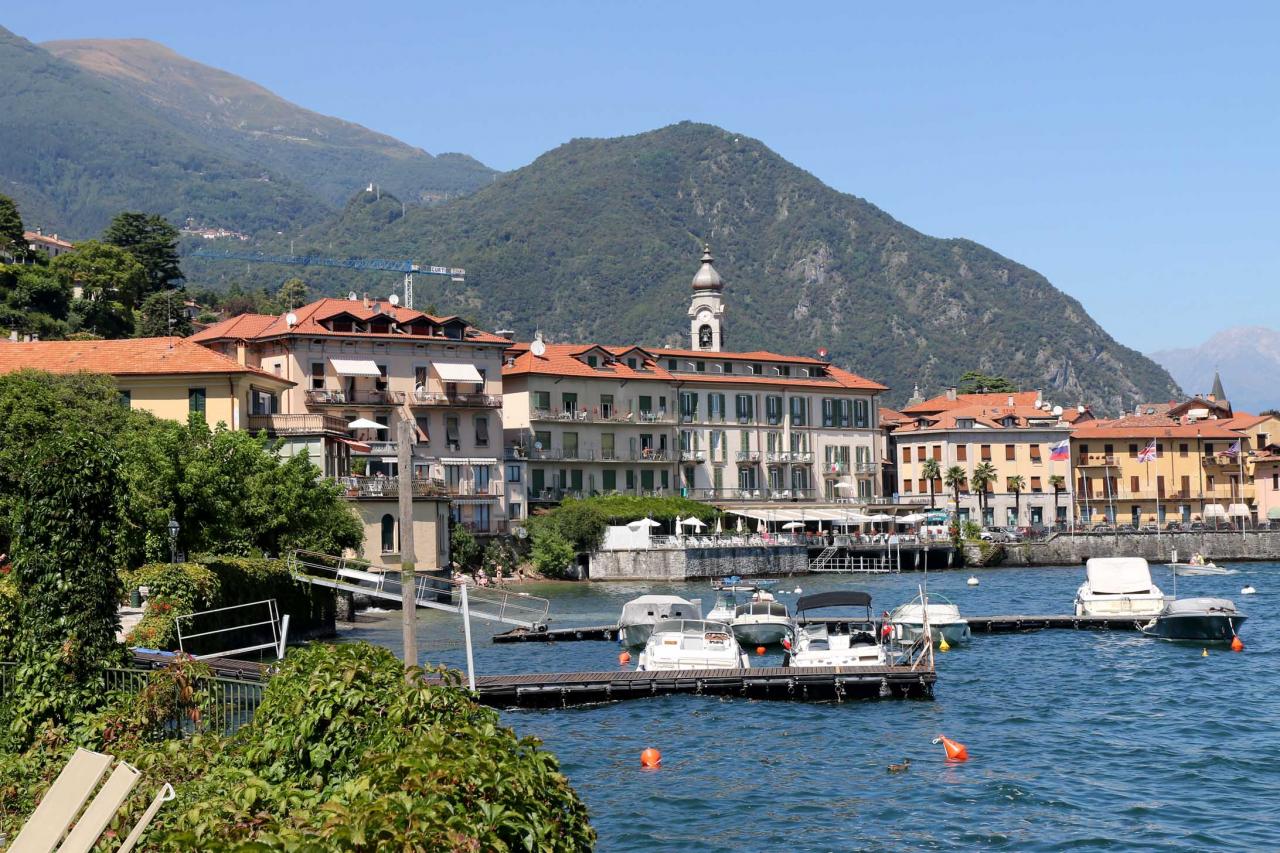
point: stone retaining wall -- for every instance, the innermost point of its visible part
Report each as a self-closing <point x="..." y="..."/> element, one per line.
<point x="1068" y="550"/>
<point x="675" y="564"/>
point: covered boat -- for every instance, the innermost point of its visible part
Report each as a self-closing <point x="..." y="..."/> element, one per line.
<point x="639" y="615"/>
<point x="945" y="621"/>
<point x="762" y="621"/>
<point x="1206" y="620"/>
<point x="1118" y="586"/>
<point x="830" y="639"/>
<point x="691" y="644"/>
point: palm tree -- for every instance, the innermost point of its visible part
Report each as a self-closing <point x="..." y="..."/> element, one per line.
<point x="931" y="472"/>
<point x="953" y="479"/>
<point x="1058" y="482"/>
<point x="983" y="476"/>
<point x="1016" y="485"/>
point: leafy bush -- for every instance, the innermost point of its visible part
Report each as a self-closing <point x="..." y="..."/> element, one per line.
<point x="971" y="530"/>
<point x="552" y="553"/>
<point x="464" y="548"/>
<point x="173" y="590"/>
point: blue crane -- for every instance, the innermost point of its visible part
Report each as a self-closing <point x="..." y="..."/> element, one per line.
<point x="409" y="268"/>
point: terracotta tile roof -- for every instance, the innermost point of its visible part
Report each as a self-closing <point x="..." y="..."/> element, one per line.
<point x="310" y="318"/>
<point x="1152" y="426"/>
<point x="989" y="416"/>
<point x="129" y="357"/>
<point x="563" y="360"/>
<point x="941" y="403"/>
<point x="756" y="355"/>
<point x="892" y="417"/>
<point x="47" y="239"/>
<point x="1241" y="420"/>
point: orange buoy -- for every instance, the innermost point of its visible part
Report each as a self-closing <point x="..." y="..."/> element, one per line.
<point x="1237" y="644"/>
<point x="759" y="650"/>
<point x="786" y="643"/>
<point x="955" y="751"/>
<point x="650" y="758"/>
<point x="624" y="658"/>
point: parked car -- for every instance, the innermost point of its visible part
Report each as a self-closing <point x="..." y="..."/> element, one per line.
<point x="1150" y="527"/>
<point x="1198" y="527"/>
<point x="1126" y="528"/>
<point x="1102" y="528"/>
<point x="1174" y="527"/>
<point x="1001" y="534"/>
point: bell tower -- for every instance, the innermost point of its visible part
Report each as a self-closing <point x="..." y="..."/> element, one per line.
<point x="706" y="309"/>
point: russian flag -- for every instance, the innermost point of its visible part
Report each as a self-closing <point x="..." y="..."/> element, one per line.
<point x="1061" y="451"/>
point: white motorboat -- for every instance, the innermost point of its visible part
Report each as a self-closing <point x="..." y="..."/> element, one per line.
<point x="691" y="644"/>
<point x="831" y="640"/>
<point x="639" y="615"/>
<point x="1211" y="620"/>
<point x="1118" y="586"/>
<point x="726" y="604"/>
<point x="762" y="621"/>
<point x="945" y="621"/>
<point x="1198" y="565"/>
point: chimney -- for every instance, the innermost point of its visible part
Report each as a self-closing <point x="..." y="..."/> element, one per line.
<point x="509" y="334"/>
<point x="39" y="230"/>
<point x="366" y="299"/>
<point x="13" y="336"/>
<point x="242" y="353"/>
<point x="1010" y="399"/>
<point x="951" y="393"/>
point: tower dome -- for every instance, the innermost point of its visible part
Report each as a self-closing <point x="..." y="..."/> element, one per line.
<point x="707" y="278"/>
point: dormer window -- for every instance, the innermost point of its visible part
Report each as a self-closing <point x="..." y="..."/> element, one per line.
<point x="757" y="370"/>
<point x="785" y="370"/>
<point x="964" y="423"/>
<point x="631" y="363"/>
<point x="700" y="366"/>
<point x="728" y="367"/>
<point x="804" y="371"/>
<point x="592" y="361"/>
<point x="671" y="364"/>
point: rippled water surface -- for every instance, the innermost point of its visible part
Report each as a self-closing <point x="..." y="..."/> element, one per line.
<point x="1078" y="740"/>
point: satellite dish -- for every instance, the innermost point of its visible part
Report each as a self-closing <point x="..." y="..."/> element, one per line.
<point x="538" y="348"/>
<point x="537" y="445"/>
<point x="393" y="299"/>
<point x="1057" y="410"/>
<point x="291" y="319"/>
<point x="351" y="297"/>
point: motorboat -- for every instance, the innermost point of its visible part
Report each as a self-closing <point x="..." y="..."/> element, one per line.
<point x="831" y="640"/>
<point x="762" y="621"/>
<point x="1118" y="586"/>
<point x="691" y="644"/>
<point x="1198" y="565"/>
<point x="726" y="604"/>
<point x="639" y="615"/>
<point x="1213" y="620"/>
<point x="945" y="621"/>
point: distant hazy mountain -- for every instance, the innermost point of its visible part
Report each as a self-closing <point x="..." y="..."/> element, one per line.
<point x="331" y="157"/>
<point x="598" y="240"/>
<point x="75" y="150"/>
<point x="1247" y="357"/>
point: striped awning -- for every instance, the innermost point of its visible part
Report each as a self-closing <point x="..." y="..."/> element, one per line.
<point x="358" y="446"/>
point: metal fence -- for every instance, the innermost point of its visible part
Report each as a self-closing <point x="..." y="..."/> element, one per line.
<point x="230" y="703"/>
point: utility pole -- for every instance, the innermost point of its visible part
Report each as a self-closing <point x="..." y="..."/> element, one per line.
<point x="408" y="588"/>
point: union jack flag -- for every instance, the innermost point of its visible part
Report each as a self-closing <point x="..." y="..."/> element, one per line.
<point x="1148" y="453"/>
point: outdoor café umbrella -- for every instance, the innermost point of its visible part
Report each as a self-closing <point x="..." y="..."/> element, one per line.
<point x="365" y="423"/>
<point x="719" y="529"/>
<point x="693" y="522"/>
<point x="913" y="518"/>
<point x="792" y="525"/>
<point x="644" y="522"/>
<point x="845" y="487"/>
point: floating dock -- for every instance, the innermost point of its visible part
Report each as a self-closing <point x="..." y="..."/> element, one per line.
<point x="802" y="684"/>
<point x="558" y="635"/>
<point x="1022" y="624"/>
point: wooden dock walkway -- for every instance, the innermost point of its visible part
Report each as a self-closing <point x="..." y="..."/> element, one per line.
<point x="1022" y="624"/>
<point x="811" y="684"/>
<point x="558" y="635"/>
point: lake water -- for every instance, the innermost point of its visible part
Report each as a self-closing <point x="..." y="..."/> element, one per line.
<point x="1078" y="740"/>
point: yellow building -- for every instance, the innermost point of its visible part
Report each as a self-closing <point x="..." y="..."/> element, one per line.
<point x="169" y="377"/>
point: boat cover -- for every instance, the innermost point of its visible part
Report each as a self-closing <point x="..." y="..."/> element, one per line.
<point x="650" y="608"/>
<point x="1118" y="575"/>
<point x="1188" y="606"/>
<point x="836" y="598"/>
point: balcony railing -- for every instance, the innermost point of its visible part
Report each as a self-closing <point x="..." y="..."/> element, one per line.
<point x="783" y="457"/>
<point x="377" y="448"/>
<point x="748" y="457"/>
<point x="1093" y="460"/>
<point x="388" y="487"/>
<point x="866" y="468"/>
<point x="762" y="494"/>
<point x="693" y="455"/>
<point x="598" y="416"/>
<point x="1221" y="459"/>
<point x="311" y="424"/>
<point x="836" y="468"/>
<point x="461" y="401"/>
<point x="469" y="488"/>
<point x="556" y="494"/>
<point x="330" y="397"/>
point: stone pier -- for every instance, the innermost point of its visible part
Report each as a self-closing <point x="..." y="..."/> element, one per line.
<point x="1065" y="549"/>
<point x="678" y="564"/>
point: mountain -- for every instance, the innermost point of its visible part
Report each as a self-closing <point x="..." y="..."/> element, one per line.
<point x="598" y="240"/>
<point x="331" y="157"/>
<point x="75" y="151"/>
<point x="1247" y="357"/>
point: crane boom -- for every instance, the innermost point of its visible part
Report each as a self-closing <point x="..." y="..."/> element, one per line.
<point x="406" y="267"/>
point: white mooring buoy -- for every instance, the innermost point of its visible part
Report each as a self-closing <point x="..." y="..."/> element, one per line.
<point x="1248" y="590"/>
<point x="972" y="581"/>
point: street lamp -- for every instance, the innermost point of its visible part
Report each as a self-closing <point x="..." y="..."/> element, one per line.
<point x="173" y="540"/>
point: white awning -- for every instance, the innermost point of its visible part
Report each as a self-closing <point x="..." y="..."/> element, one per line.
<point x="483" y="461"/>
<point x="1211" y="510"/>
<point x="460" y="460"/>
<point x="1239" y="510"/>
<point x="458" y="372"/>
<point x="354" y="367"/>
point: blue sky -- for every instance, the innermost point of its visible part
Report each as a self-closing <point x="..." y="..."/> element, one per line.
<point x="1127" y="151"/>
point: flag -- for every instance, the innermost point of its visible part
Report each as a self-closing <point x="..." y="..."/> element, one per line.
<point x="1148" y="453"/>
<point x="1060" y="452"/>
<point x="1233" y="450"/>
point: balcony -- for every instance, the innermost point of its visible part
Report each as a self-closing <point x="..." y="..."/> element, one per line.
<point x="436" y="399"/>
<point x="596" y="416"/>
<point x="387" y="487"/>
<point x="377" y="448"/>
<point x="330" y="397"/>
<point x="787" y="457"/>
<point x="693" y="456"/>
<point x="761" y="495"/>
<point x="1095" y="460"/>
<point x="748" y="457"/>
<point x="471" y="489"/>
<point x="864" y="468"/>
<point x="1220" y="460"/>
<point x="312" y="424"/>
<point x="552" y="494"/>
<point x="835" y="469"/>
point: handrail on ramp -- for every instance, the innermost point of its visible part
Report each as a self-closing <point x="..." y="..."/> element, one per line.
<point x="351" y="574"/>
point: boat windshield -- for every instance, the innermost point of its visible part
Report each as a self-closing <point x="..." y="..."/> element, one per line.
<point x="762" y="608"/>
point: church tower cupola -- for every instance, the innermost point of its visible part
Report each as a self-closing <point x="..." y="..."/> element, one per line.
<point x="706" y="310"/>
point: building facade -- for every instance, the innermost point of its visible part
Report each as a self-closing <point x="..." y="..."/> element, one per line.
<point x="705" y="422"/>
<point x="1266" y="486"/>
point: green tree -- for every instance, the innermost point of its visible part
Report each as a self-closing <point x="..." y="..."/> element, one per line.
<point x="162" y="313"/>
<point x="932" y="472"/>
<point x="984" y="474"/>
<point x="1058" y="482"/>
<point x="12" y="243"/>
<point x="110" y="280"/>
<point x="1016" y="485"/>
<point x="954" y="478"/>
<point x="153" y="241"/>
<point x="36" y="290"/>
<point x="463" y="547"/>
<point x="293" y="293"/>
<point x="976" y="382"/>
<point x="551" y="553"/>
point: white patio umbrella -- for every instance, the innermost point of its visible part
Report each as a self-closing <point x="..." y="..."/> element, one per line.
<point x="695" y="523"/>
<point x="880" y="516"/>
<point x="365" y="423"/>
<point x="739" y="524"/>
<point x="643" y="522"/>
<point x="845" y="487"/>
<point x="792" y="525"/>
<point x="913" y="518"/>
<point x="719" y="529"/>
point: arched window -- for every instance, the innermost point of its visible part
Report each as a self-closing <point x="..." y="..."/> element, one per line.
<point x="704" y="337"/>
<point x="389" y="534"/>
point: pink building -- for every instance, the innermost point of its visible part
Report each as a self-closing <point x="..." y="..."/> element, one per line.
<point x="1266" y="486"/>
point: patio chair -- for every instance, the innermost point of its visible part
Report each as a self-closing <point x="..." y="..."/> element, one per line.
<point x="58" y="808"/>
